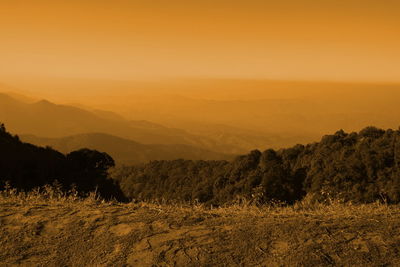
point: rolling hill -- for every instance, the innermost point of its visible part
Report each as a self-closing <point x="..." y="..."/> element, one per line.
<point x="46" y="119"/>
<point x="126" y="151"/>
<point x="270" y="113"/>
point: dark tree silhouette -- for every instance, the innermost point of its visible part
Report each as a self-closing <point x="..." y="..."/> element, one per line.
<point x="26" y="166"/>
<point x="89" y="171"/>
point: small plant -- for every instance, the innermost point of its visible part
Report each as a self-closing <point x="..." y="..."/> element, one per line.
<point x="9" y="191"/>
<point x="53" y="193"/>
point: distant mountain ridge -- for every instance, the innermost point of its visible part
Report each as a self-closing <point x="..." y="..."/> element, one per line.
<point x="44" y="118"/>
<point x="126" y="151"/>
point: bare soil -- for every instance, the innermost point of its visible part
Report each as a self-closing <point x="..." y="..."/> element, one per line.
<point x="84" y="234"/>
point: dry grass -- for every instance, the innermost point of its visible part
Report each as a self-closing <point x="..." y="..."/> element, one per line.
<point x="47" y="227"/>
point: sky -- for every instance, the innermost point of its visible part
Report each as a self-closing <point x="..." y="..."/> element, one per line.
<point x="337" y="40"/>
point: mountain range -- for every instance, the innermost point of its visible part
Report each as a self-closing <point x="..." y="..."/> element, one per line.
<point x="125" y="151"/>
<point x="226" y="116"/>
<point x="44" y="119"/>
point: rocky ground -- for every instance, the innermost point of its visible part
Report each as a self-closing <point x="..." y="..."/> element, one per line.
<point x="91" y="233"/>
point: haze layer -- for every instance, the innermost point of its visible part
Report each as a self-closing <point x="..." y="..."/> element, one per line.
<point x="288" y="39"/>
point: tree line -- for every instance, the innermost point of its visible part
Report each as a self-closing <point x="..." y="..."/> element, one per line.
<point x="359" y="167"/>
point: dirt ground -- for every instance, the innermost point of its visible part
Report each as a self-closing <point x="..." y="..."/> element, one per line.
<point x="82" y="234"/>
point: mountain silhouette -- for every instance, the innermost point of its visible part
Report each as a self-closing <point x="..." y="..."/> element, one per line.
<point x="126" y="151"/>
<point x="44" y="118"/>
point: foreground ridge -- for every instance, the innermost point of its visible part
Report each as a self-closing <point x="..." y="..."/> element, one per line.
<point x="87" y="232"/>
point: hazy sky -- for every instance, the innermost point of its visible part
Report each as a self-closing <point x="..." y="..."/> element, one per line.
<point x="129" y="39"/>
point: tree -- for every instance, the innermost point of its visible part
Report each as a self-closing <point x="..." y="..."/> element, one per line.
<point x="90" y="160"/>
<point x="89" y="171"/>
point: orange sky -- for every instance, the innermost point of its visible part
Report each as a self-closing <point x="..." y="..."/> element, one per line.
<point x="135" y="39"/>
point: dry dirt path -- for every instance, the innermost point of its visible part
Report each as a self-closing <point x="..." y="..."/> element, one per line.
<point x="79" y="234"/>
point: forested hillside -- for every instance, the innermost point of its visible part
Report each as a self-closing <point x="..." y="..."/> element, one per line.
<point x="25" y="166"/>
<point x="357" y="167"/>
